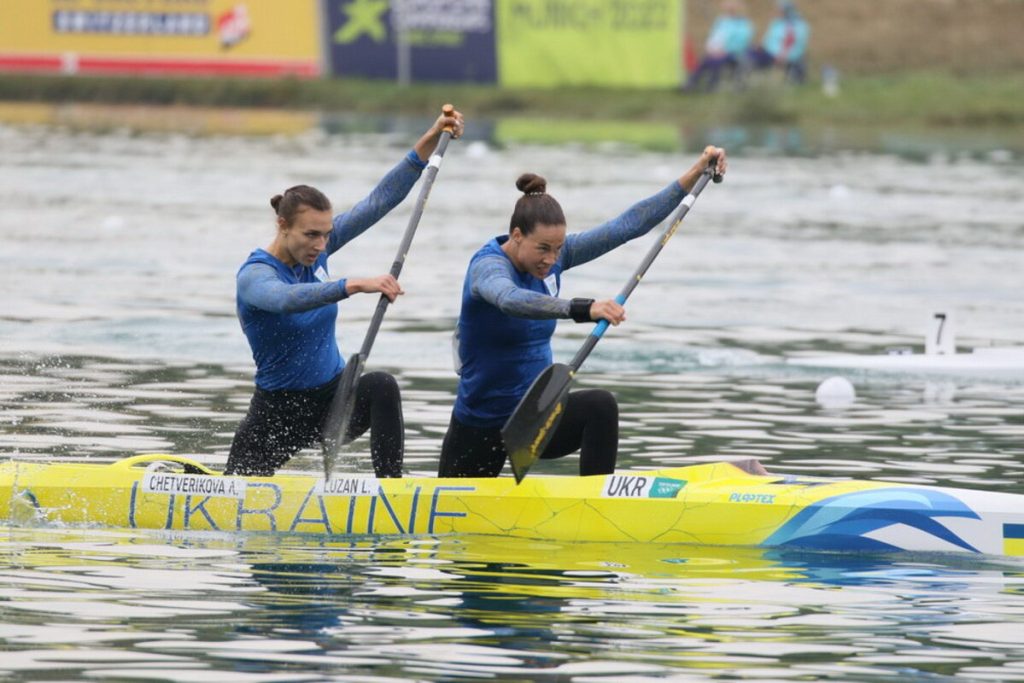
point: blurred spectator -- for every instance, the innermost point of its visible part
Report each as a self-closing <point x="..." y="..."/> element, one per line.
<point x="727" y="43"/>
<point x="784" y="44"/>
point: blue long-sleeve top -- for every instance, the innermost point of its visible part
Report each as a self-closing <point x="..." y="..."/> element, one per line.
<point x="288" y="313"/>
<point x="508" y="317"/>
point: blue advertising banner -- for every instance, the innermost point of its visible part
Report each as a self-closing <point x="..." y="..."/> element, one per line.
<point x="412" y="40"/>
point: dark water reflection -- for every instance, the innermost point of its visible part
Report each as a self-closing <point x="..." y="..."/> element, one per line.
<point x="999" y="144"/>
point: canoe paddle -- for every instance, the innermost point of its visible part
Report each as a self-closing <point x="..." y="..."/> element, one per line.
<point x="340" y="412"/>
<point x="530" y="428"/>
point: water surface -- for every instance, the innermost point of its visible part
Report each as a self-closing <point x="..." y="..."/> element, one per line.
<point x="118" y="336"/>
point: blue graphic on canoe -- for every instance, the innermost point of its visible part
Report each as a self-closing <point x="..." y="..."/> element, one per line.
<point x="842" y="522"/>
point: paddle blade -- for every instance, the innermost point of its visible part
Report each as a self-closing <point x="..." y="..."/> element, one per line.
<point x="530" y="428"/>
<point x="340" y="412"/>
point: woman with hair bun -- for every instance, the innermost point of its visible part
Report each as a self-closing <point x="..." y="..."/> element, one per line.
<point x="510" y="304"/>
<point x="287" y="305"/>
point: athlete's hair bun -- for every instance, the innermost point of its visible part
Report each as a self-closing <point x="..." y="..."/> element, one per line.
<point x="535" y="206"/>
<point x="531" y="183"/>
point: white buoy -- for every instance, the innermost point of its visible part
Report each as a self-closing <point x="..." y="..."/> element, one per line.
<point x="835" y="392"/>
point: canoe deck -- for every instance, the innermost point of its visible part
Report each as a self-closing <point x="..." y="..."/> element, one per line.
<point x="716" y="504"/>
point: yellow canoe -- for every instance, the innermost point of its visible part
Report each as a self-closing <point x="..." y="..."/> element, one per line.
<point x="716" y="504"/>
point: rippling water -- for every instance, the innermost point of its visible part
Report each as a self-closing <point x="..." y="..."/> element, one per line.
<point x="137" y="607"/>
<point x="118" y="336"/>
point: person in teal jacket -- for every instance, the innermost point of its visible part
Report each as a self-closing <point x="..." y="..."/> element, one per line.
<point x="728" y="42"/>
<point x="784" y="44"/>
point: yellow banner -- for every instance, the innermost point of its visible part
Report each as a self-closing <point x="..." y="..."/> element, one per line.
<point x="177" y="35"/>
<point x="617" y="43"/>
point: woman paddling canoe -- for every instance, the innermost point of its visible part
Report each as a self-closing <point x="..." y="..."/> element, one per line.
<point x="509" y="306"/>
<point x="287" y="306"/>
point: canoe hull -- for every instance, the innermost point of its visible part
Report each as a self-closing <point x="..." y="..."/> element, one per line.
<point x="717" y="504"/>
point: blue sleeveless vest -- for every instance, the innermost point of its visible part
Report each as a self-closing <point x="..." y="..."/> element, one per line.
<point x="501" y="355"/>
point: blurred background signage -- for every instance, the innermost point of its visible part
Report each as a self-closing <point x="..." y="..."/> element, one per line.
<point x="635" y="43"/>
<point x="531" y="43"/>
<point x="412" y="40"/>
<point x="187" y="37"/>
<point x="544" y="43"/>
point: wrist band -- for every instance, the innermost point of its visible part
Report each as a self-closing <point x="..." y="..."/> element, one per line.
<point x="579" y="310"/>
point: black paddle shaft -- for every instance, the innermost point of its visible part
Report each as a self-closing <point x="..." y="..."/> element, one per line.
<point x="396" y="268"/>
<point x="340" y="412"/>
<point x="652" y="254"/>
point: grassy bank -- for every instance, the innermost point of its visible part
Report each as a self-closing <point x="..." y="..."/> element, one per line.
<point x="925" y="99"/>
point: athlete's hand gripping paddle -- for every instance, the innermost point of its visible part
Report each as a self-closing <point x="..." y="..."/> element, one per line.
<point x="340" y="412"/>
<point x="530" y="428"/>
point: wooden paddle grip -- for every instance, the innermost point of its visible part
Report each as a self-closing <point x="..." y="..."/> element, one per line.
<point x="448" y="110"/>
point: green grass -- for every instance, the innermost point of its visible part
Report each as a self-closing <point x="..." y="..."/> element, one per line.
<point x="928" y="99"/>
<point x="545" y="130"/>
